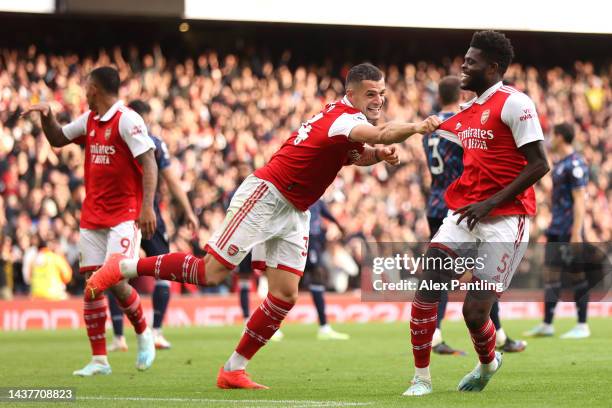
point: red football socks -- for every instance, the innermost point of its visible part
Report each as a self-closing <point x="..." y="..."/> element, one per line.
<point x="484" y="342"/>
<point x="133" y="310"/>
<point x="178" y="267"/>
<point x="423" y="317"/>
<point x="264" y="322"/>
<point x="94" y="313"/>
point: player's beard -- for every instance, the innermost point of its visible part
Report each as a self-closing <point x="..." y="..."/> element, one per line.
<point x="476" y="83"/>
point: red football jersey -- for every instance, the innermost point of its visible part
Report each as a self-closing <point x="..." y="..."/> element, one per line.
<point x="113" y="177"/>
<point x="308" y="162"/>
<point x="491" y="128"/>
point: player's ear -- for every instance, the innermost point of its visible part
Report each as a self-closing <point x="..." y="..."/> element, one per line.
<point x="493" y="67"/>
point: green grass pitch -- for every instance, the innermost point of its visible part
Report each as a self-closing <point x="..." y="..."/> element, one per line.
<point x="372" y="369"/>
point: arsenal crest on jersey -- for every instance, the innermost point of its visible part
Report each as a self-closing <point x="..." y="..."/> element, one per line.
<point x="232" y="250"/>
<point x="107" y="134"/>
<point x="485" y="116"/>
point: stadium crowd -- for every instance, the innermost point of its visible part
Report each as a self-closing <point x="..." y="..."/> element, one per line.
<point x="222" y="116"/>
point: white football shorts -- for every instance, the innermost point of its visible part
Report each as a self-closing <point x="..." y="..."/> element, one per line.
<point x="95" y="245"/>
<point x="261" y="220"/>
<point x="499" y="242"/>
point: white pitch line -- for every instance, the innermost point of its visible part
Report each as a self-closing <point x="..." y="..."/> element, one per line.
<point x="301" y="403"/>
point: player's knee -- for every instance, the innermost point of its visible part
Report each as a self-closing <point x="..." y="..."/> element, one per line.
<point x="475" y="316"/>
<point x="215" y="271"/>
<point x="435" y="276"/>
<point x="289" y="295"/>
<point x="122" y="290"/>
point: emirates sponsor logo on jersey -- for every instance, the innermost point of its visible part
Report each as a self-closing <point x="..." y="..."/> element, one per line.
<point x="475" y="138"/>
<point x="100" y="154"/>
<point x="485" y="116"/>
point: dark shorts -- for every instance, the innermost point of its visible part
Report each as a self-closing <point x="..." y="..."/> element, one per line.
<point x="434" y="225"/>
<point x="158" y="244"/>
<point x="561" y="254"/>
<point x="245" y="266"/>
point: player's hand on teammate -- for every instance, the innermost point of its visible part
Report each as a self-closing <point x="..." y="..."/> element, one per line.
<point x="389" y="155"/>
<point x="147" y="222"/>
<point x="429" y="125"/>
<point x="473" y="213"/>
<point x="43" y="108"/>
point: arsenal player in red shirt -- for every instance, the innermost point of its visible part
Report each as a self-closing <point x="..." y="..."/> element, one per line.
<point x="269" y="216"/>
<point x="490" y="205"/>
<point x="120" y="181"/>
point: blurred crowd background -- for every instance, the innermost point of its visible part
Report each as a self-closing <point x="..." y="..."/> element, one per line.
<point x="224" y="114"/>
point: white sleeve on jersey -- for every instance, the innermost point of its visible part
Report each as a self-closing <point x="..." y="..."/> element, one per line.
<point x="346" y="122"/>
<point x="519" y="113"/>
<point x="134" y="132"/>
<point x="77" y="127"/>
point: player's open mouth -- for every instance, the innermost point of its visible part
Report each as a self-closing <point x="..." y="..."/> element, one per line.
<point x="374" y="110"/>
<point x="464" y="76"/>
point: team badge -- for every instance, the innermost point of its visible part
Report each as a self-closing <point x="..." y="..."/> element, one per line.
<point x="232" y="250"/>
<point x="107" y="134"/>
<point x="458" y="126"/>
<point x="485" y="116"/>
<point x="92" y="133"/>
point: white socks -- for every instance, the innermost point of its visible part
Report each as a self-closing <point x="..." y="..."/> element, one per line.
<point x="500" y="337"/>
<point x="325" y="328"/>
<point x="101" y="359"/>
<point x="236" y="362"/>
<point x="422" y="372"/>
<point x="128" y="268"/>
<point x="489" y="368"/>
<point x="437" y="338"/>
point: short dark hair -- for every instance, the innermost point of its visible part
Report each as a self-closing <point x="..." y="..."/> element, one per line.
<point x="363" y="72"/>
<point x="107" y="78"/>
<point x="495" y="46"/>
<point x="566" y="131"/>
<point x="449" y="89"/>
<point x="139" y="106"/>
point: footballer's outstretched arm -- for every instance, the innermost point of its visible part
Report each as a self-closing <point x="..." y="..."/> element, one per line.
<point x="392" y="132"/>
<point x="51" y="129"/>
